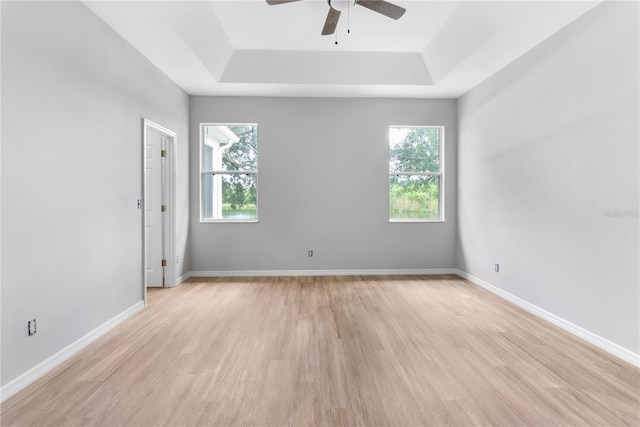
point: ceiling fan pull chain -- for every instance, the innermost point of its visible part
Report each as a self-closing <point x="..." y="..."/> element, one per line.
<point x="349" y="18"/>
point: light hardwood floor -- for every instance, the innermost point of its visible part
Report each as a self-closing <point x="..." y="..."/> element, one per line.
<point x="374" y="351"/>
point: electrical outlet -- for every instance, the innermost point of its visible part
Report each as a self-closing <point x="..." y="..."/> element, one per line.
<point x="31" y="327"/>
<point x="310" y="253"/>
<point x="497" y="268"/>
<point x="177" y="259"/>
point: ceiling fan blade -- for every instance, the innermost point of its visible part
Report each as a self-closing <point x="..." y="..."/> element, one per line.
<point x="274" y="2"/>
<point x="331" y="23"/>
<point x="383" y="7"/>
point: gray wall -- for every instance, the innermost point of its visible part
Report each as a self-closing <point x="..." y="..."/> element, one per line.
<point x="548" y="178"/>
<point x="73" y="97"/>
<point x="323" y="185"/>
<point x="548" y="175"/>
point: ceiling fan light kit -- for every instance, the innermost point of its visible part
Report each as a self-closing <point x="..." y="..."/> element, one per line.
<point x="336" y="7"/>
<point x="341" y="5"/>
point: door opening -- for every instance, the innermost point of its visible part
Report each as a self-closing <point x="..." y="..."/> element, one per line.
<point x="158" y="154"/>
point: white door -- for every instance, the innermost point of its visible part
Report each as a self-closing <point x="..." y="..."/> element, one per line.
<point x="153" y="209"/>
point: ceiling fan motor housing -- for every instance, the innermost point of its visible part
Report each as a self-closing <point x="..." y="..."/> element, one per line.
<point x="341" y="5"/>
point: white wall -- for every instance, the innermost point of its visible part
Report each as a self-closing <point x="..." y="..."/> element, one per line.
<point x="548" y="148"/>
<point x="73" y="98"/>
<point x="323" y="185"/>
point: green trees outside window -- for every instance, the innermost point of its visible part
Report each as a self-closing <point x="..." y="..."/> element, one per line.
<point x="229" y="172"/>
<point x="415" y="173"/>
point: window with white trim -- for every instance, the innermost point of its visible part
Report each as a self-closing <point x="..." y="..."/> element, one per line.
<point x="416" y="173"/>
<point x="228" y="172"/>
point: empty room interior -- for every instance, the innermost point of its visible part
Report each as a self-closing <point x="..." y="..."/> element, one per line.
<point x="311" y="212"/>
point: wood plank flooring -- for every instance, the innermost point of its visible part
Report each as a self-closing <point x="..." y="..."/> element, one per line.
<point x="333" y="351"/>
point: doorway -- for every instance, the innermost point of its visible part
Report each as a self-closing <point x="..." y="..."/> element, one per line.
<point x="158" y="156"/>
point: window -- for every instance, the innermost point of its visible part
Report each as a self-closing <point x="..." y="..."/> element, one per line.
<point x="228" y="172"/>
<point x="416" y="173"/>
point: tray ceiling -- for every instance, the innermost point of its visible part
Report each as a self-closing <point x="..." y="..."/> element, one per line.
<point x="438" y="49"/>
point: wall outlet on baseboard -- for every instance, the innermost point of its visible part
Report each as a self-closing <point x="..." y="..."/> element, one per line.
<point x="31" y="327"/>
<point x="496" y="268"/>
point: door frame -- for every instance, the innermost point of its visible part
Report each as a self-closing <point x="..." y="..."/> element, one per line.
<point x="169" y="223"/>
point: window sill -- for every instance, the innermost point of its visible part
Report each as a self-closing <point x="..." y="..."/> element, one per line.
<point x="228" y="221"/>
<point x="415" y="220"/>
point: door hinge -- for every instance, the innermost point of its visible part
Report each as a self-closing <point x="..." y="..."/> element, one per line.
<point x="164" y="262"/>
<point x="163" y="208"/>
<point x="163" y="153"/>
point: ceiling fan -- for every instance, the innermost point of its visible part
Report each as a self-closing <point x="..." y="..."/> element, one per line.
<point x="337" y="6"/>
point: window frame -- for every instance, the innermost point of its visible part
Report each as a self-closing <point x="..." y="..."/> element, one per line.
<point x="440" y="173"/>
<point x="203" y="173"/>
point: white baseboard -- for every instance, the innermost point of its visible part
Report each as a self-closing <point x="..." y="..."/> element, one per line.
<point x="17" y="384"/>
<point x="302" y="273"/>
<point x="606" y="345"/>
<point x="42" y="368"/>
<point x="183" y="278"/>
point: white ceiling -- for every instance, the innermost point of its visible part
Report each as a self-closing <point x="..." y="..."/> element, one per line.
<point x="438" y="49"/>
